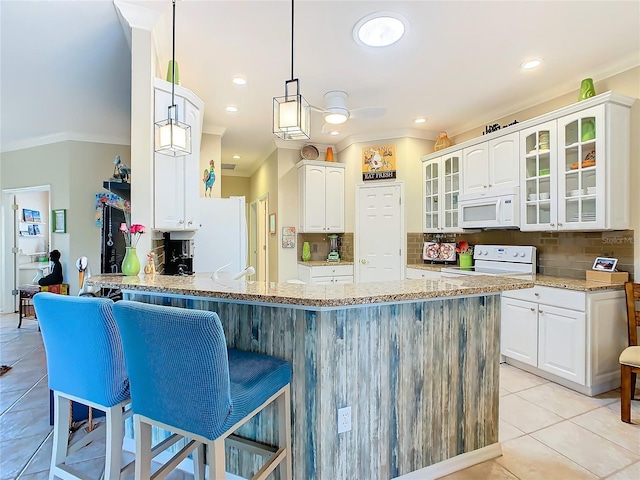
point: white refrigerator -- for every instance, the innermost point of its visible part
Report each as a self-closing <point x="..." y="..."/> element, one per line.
<point x="222" y="237"/>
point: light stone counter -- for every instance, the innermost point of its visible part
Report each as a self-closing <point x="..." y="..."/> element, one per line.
<point x="580" y="285"/>
<point x="201" y="285"/>
<point x="427" y="266"/>
<point x="323" y="263"/>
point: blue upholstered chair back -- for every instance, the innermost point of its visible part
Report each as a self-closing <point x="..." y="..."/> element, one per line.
<point x="84" y="351"/>
<point x="178" y="366"/>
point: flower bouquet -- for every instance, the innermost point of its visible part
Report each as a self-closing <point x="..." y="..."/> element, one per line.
<point x="131" y="233"/>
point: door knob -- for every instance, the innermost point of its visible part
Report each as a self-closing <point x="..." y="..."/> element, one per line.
<point x="364" y="261"/>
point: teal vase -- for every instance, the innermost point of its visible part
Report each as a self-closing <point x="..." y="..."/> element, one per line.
<point x="306" y="252"/>
<point x="131" y="262"/>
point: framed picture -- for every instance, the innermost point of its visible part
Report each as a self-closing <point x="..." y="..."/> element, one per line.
<point x="272" y="223"/>
<point x="27" y="214"/>
<point x="31" y="230"/>
<point x="605" y="264"/>
<point x="59" y="221"/>
<point x="36" y="229"/>
<point x="36" y="215"/>
<point x="288" y="237"/>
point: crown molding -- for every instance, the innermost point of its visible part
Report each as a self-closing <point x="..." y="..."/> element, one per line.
<point x="214" y="130"/>
<point x="63" y="137"/>
<point x="400" y="133"/>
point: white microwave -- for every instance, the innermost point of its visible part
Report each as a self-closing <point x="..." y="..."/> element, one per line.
<point x="492" y="209"/>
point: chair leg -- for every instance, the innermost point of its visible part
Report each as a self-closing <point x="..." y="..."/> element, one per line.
<point x="143" y="449"/>
<point x="198" y="463"/>
<point x="215" y="454"/>
<point x="625" y="394"/>
<point x="60" y="433"/>
<point x="115" y="431"/>
<point x="284" y="432"/>
<point x="633" y="386"/>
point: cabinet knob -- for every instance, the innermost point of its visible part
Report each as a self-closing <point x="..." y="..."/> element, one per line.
<point x="540" y="312"/>
<point x="533" y="309"/>
<point x="552" y="224"/>
<point x="559" y="224"/>
<point x="484" y="186"/>
<point x="537" y="294"/>
<point x="489" y="185"/>
<point x="181" y="222"/>
<point x="364" y="261"/>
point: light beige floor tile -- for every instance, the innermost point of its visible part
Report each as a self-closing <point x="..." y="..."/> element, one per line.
<point x="513" y="379"/>
<point x="607" y="424"/>
<point x="36" y="476"/>
<point x="24" y="423"/>
<point x="37" y="397"/>
<point x="489" y="469"/>
<point x="504" y="392"/>
<point x="8" y="398"/>
<point x="635" y="409"/>
<point x="562" y="401"/>
<point x="16" y="453"/>
<point x="42" y="459"/>
<point x="508" y="432"/>
<point x="632" y="472"/>
<point x="591" y="451"/>
<point x="528" y="459"/>
<point x="524" y="415"/>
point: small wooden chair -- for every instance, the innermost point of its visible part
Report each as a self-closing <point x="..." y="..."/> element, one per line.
<point x="630" y="357"/>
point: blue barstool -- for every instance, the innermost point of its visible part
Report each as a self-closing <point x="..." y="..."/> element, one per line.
<point x="185" y="380"/>
<point x="85" y="364"/>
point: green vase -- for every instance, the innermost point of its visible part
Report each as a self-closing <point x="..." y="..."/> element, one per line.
<point x="306" y="251"/>
<point x="466" y="260"/>
<point x="170" y="72"/>
<point x="587" y="90"/>
<point x="131" y="262"/>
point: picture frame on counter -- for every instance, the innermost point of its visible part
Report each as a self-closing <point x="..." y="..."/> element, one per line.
<point x="59" y="221"/>
<point x="603" y="264"/>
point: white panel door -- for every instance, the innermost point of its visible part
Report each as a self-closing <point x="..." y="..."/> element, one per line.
<point x="334" y="199"/>
<point x="504" y="162"/>
<point x="475" y="168"/>
<point x="561" y="343"/>
<point x="519" y="331"/>
<point x="379" y="233"/>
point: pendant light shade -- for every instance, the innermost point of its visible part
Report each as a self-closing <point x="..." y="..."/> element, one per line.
<point x="291" y="113"/>
<point x="173" y="137"/>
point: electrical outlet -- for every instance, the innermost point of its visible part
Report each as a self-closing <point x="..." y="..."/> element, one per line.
<point x="344" y="419"/>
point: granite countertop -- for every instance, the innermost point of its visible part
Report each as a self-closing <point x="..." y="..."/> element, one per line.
<point x="201" y="285"/>
<point x="428" y="266"/>
<point x="323" y="263"/>
<point x="578" y="284"/>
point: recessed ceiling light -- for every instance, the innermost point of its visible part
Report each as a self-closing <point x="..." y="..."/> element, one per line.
<point x="232" y="109"/>
<point x="420" y="120"/>
<point x="239" y="80"/>
<point x="528" y="65"/>
<point x="380" y="29"/>
<point x="334" y="133"/>
<point x="237" y="157"/>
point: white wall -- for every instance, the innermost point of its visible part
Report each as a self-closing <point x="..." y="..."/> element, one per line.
<point x="288" y="211"/>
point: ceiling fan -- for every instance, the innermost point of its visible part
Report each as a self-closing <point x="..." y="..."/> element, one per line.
<point x="336" y="111"/>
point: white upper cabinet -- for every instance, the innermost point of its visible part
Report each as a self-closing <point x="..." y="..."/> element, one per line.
<point x="321" y="193"/>
<point x="581" y="180"/>
<point x="491" y="165"/>
<point x="176" y="185"/>
<point x="441" y="186"/>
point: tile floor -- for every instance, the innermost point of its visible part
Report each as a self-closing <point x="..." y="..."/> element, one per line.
<point x="547" y="431"/>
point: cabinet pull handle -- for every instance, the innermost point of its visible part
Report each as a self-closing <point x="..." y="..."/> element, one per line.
<point x="559" y="224"/>
<point x="181" y="222"/>
<point x="540" y="312"/>
<point x="537" y="294"/>
<point x="552" y="224"/>
<point x="533" y="309"/>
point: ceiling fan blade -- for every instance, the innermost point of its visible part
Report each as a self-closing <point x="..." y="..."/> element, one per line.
<point x="367" y="112"/>
<point x="317" y="109"/>
<point x="328" y="128"/>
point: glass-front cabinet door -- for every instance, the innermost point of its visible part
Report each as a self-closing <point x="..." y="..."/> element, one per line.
<point x="431" y="191"/>
<point x="581" y="147"/>
<point x="451" y="189"/>
<point x="539" y="177"/>
<point x="441" y="188"/>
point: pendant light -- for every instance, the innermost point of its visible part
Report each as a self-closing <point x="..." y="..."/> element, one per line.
<point x="173" y="137"/>
<point x="291" y="113"/>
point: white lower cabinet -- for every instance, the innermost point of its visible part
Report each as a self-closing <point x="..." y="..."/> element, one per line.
<point x="325" y="274"/>
<point x="418" y="273"/>
<point x="570" y="337"/>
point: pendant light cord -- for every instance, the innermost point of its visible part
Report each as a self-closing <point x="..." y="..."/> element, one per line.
<point x="173" y="60"/>
<point x="292" y="20"/>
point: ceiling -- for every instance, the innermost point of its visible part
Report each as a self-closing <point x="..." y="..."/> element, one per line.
<point x="65" y="65"/>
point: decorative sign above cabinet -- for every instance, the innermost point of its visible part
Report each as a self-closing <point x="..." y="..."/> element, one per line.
<point x="379" y="163"/>
<point x="496" y="126"/>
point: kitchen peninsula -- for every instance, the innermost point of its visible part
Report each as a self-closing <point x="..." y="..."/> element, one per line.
<point x="416" y="360"/>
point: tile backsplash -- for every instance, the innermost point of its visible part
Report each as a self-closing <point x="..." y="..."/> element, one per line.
<point x="320" y="244"/>
<point x="566" y="254"/>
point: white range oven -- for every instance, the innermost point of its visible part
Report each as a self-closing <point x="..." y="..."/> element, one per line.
<point x="511" y="260"/>
<point x="493" y="209"/>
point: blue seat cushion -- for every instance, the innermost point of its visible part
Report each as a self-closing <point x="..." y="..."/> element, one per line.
<point x="254" y="378"/>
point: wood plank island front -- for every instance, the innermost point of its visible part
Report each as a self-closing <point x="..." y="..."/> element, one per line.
<point x="416" y="360"/>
